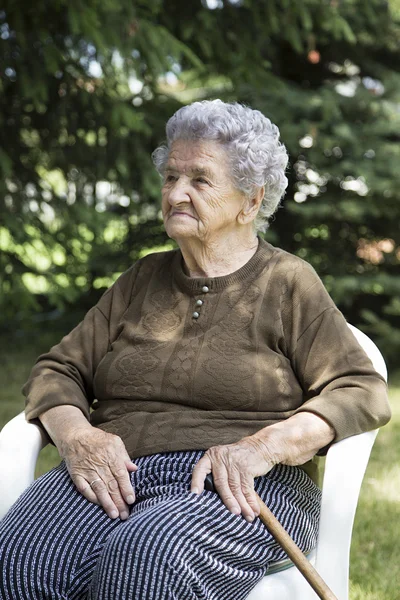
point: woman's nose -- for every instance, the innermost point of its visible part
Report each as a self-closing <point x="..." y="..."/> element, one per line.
<point x="179" y="193"/>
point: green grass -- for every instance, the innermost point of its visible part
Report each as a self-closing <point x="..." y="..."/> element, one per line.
<point x="16" y="360"/>
<point x="375" y="554"/>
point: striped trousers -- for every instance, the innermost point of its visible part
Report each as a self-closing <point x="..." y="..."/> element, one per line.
<point x="175" y="545"/>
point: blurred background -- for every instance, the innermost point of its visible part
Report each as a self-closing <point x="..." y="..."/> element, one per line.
<point x="85" y="91"/>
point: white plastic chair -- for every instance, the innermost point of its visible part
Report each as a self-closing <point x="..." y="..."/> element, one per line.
<point x="346" y="461"/>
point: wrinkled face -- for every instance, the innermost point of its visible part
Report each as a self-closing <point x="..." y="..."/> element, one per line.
<point x="198" y="197"/>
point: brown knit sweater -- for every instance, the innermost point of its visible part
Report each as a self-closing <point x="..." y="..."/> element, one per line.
<point x="268" y="342"/>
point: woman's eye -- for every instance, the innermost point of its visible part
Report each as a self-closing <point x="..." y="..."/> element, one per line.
<point x="201" y="180"/>
<point x="170" y="178"/>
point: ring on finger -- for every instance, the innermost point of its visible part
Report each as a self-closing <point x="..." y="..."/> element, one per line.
<point x="94" y="481"/>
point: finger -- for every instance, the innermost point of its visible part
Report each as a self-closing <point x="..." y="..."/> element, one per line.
<point x="105" y="500"/>
<point x="239" y="491"/>
<point x="84" y="488"/>
<point x="249" y="494"/>
<point x="113" y="477"/>
<point x="230" y="488"/>
<point x="131" y="466"/>
<point x="116" y="496"/>
<point x="222" y="484"/>
<point x="123" y="482"/>
<point x="199" y="473"/>
<point x="104" y="490"/>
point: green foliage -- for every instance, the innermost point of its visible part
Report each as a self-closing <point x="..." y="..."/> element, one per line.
<point x="84" y="97"/>
<point x="75" y="158"/>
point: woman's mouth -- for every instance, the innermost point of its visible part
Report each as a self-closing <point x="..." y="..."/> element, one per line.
<point x="181" y="214"/>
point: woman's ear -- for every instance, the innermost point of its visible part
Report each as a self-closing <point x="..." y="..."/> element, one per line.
<point x="251" y="207"/>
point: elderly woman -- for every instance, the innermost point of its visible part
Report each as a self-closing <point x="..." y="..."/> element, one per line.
<point x="225" y="356"/>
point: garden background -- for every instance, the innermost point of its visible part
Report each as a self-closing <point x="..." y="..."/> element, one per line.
<point x="85" y="91"/>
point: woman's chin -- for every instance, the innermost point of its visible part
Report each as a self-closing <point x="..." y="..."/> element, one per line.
<point x="181" y="230"/>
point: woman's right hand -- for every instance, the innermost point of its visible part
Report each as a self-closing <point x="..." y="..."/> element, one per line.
<point x="99" y="466"/>
<point x="97" y="462"/>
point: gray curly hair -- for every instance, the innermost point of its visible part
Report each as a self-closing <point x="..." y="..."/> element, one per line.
<point x="257" y="158"/>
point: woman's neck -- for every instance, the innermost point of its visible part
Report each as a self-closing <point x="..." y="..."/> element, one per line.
<point x="222" y="257"/>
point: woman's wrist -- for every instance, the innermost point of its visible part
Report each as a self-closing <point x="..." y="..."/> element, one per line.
<point x="64" y="422"/>
<point x="295" y="440"/>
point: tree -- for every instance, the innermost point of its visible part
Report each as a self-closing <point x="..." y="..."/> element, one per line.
<point x="328" y="75"/>
<point x="85" y="96"/>
<point x="79" y="118"/>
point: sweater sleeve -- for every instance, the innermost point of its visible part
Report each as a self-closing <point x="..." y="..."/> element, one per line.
<point x="339" y="381"/>
<point x="64" y="375"/>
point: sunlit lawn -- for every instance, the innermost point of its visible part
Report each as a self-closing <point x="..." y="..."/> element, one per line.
<point x="375" y="556"/>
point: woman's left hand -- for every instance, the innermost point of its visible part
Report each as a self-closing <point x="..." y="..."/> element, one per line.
<point x="234" y="468"/>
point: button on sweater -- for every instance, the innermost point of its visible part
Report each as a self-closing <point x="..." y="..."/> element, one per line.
<point x="169" y="362"/>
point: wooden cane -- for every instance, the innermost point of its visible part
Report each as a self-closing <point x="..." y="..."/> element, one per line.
<point x="294" y="553"/>
<point x="292" y="550"/>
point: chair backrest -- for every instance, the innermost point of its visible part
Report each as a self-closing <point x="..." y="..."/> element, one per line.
<point x="371" y="349"/>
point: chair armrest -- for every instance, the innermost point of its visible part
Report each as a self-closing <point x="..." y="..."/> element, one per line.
<point x="345" y="467"/>
<point x="20" y="444"/>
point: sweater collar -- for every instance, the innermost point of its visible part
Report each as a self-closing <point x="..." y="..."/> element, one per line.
<point x="194" y="285"/>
